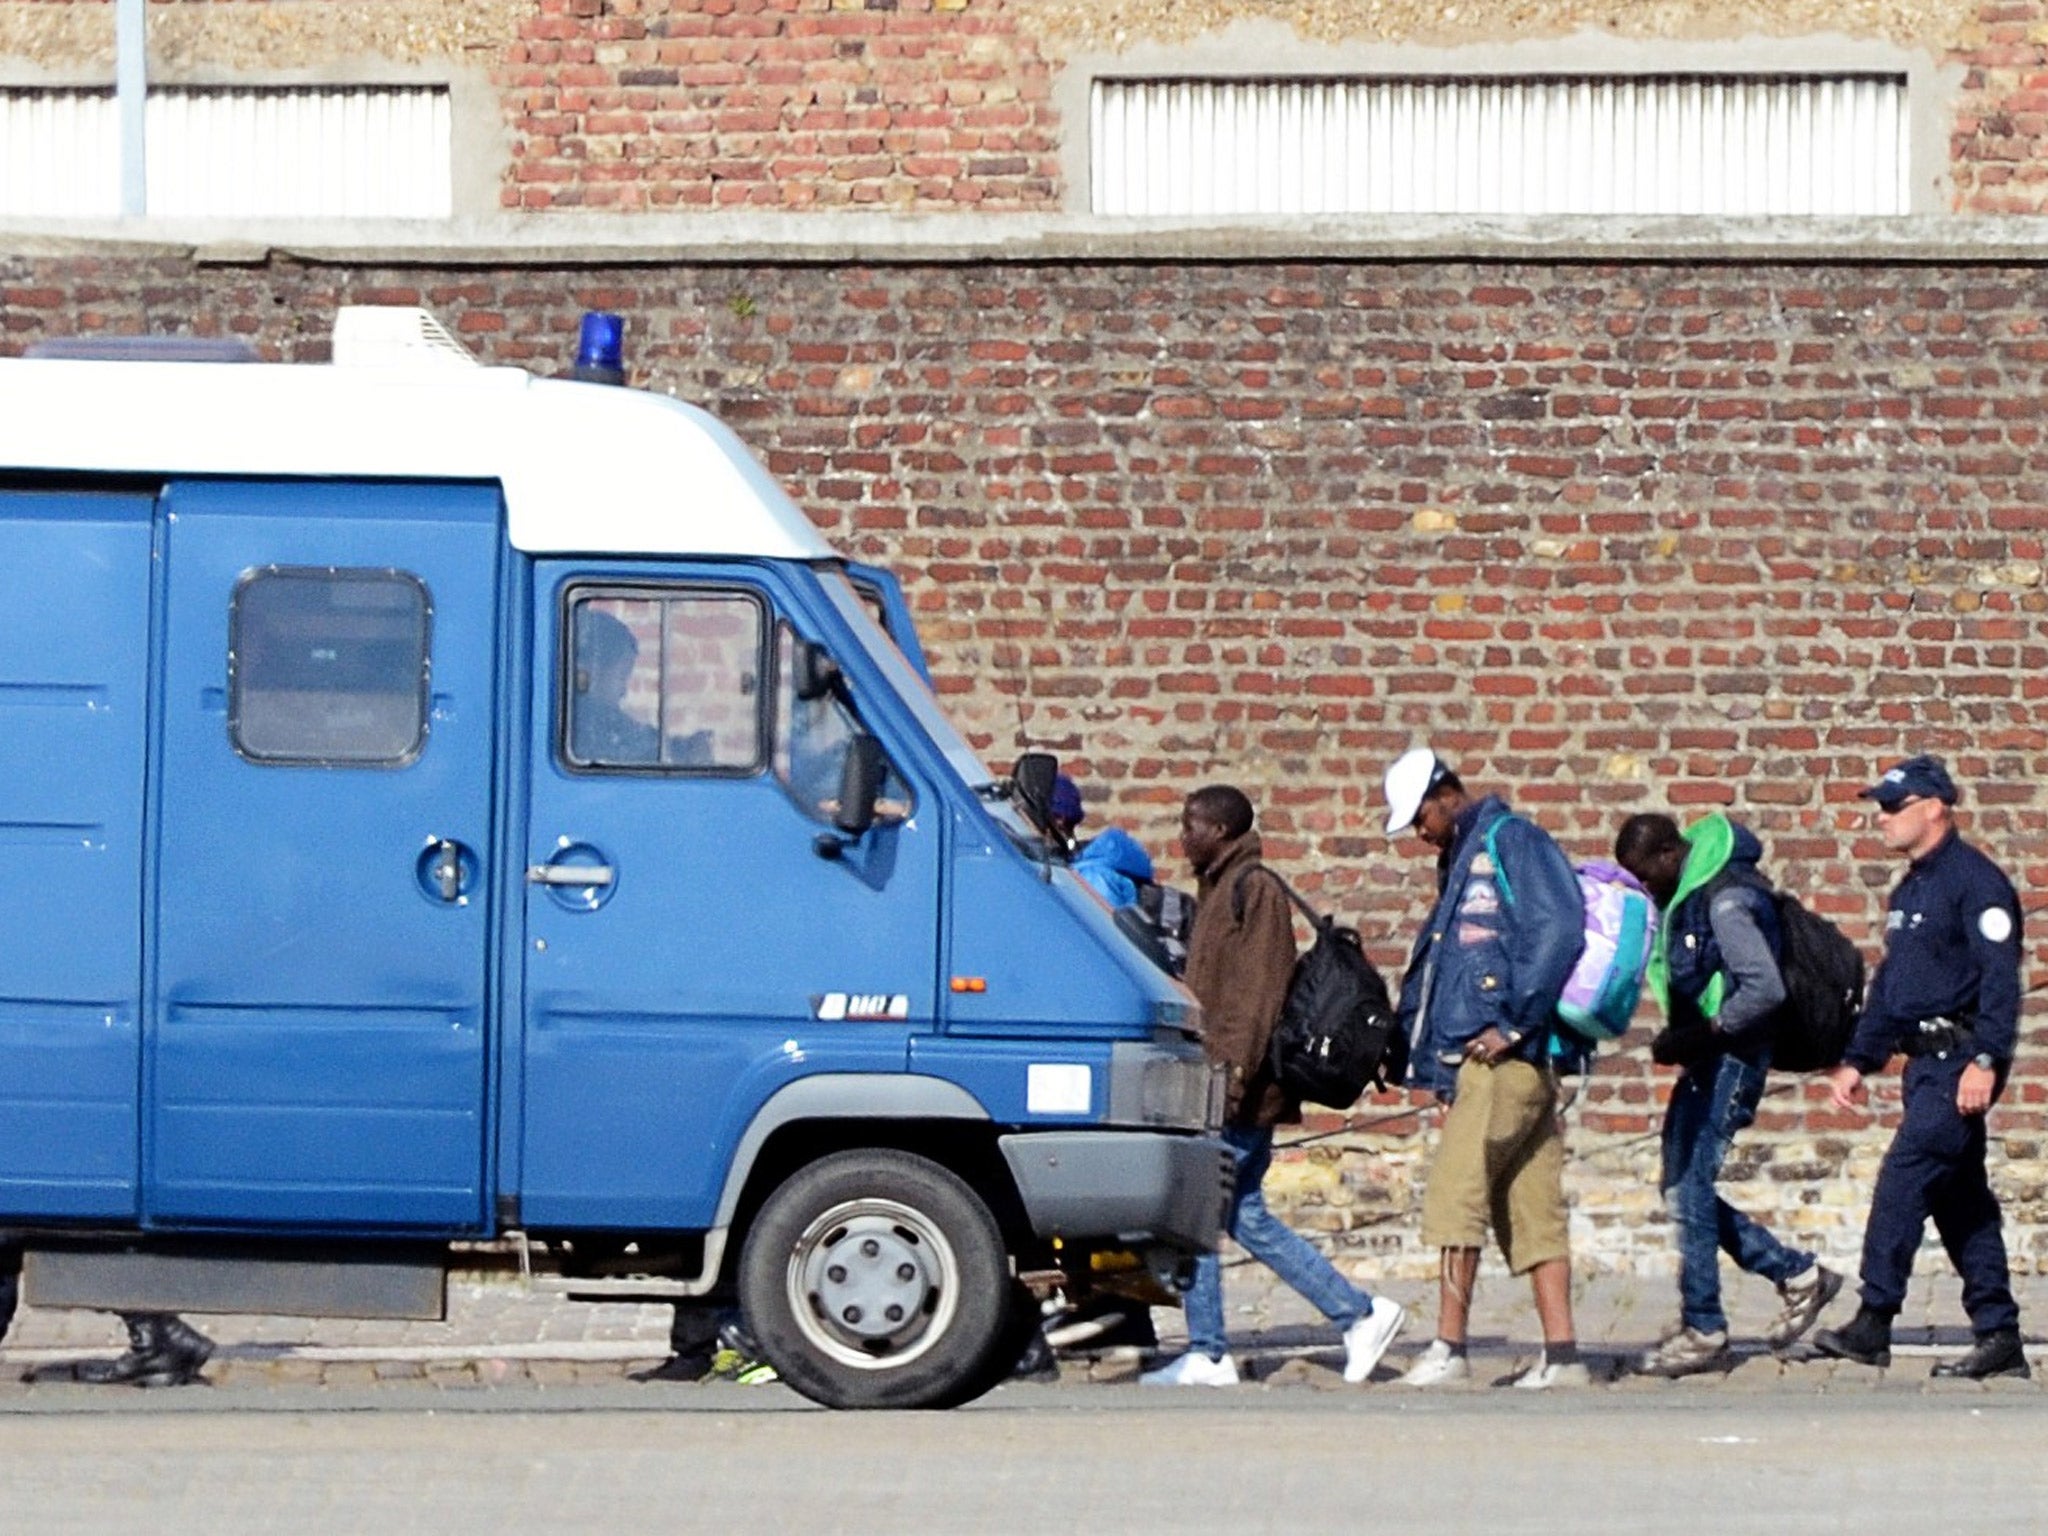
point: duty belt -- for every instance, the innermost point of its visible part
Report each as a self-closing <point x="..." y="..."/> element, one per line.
<point x="1935" y="1037"/>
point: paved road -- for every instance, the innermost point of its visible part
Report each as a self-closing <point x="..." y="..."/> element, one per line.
<point x="516" y="1413"/>
<point x="404" y="1457"/>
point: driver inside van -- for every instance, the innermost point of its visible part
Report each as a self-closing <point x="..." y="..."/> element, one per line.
<point x="600" y="729"/>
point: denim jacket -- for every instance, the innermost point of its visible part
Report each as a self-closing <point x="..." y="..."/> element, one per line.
<point x="1495" y="952"/>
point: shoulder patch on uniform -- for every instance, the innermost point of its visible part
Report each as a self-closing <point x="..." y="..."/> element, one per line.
<point x="1995" y="923"/>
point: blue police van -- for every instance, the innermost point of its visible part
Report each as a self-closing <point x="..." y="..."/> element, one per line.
<point x="450" y="808"/>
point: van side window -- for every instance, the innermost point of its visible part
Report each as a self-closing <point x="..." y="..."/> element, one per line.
<point x="666" y="681"/>
<point x="810" y="743"/>
<point x="328" y="667"/>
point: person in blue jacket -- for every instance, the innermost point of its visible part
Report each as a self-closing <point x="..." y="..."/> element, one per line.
<point x="1479" y="1002"/>
<point x="1948" y="998"/>
<point x="1113" y="864"/>
<point x="1716" y="968"/>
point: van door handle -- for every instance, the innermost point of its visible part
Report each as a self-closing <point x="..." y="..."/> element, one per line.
<point x="569" y="874"/>
<point x="446" y="871"/>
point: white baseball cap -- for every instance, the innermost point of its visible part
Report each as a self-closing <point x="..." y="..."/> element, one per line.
<point x="1414" y="774"/>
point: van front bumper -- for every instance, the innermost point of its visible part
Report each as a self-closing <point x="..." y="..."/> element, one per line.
<point x="1128" y="1187"/>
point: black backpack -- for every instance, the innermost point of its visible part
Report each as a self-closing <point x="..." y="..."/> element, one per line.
<point x="1823" y="975"/>
<point x="1337" y="1032"/>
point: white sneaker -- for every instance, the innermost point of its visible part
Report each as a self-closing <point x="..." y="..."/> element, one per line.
<point x="1543" y="1376"/>
<point x="1193" y="1369"/>
<point x="1436" y="1366"/>
<point x="1367" y="1339"/>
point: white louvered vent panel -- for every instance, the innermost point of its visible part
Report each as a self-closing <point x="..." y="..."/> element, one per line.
<point x="60" y="155"/>
<point x="359" y="152"/>
<point x="1665" y="144"/>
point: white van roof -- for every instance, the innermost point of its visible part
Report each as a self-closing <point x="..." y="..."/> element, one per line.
<point x="585" y="468"/>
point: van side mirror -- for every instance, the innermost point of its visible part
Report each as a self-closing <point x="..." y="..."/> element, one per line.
<point x="1033" y="777"/>
<point x="861" y="776"/>
<point x="817" y="674"/>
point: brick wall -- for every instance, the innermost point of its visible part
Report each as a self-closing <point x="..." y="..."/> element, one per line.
<point x="1999" y="152"/>
<point x="777" y="104"/>
<point x="1612" y="537"/>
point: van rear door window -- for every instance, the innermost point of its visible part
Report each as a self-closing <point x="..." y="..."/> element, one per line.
<point x="329" y="668"/>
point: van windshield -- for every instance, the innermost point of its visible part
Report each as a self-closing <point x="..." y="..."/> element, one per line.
<point x="911" y="688"/>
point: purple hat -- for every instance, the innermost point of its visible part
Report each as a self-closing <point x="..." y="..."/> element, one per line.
<point x="1066" y="800"/>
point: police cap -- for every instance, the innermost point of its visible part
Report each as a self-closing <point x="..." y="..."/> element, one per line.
<point x="1917" y="778"/>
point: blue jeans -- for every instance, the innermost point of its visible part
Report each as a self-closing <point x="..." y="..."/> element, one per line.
<point x="1713" y="1100"/>
<point x="1273" y="1243"/>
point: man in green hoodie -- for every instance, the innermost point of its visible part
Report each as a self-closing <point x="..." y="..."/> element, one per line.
<point x="1715" y="969"/>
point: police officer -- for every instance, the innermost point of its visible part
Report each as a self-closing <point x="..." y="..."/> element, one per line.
<point x="1948" y="996"/>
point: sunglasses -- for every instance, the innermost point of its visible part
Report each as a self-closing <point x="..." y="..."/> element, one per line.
<point x="1899" y="806"/>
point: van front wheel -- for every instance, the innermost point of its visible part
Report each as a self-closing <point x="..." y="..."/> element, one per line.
<point x="877" y="1279"/>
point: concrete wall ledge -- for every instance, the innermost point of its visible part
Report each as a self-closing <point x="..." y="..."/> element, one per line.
<point x="981" y="239"/>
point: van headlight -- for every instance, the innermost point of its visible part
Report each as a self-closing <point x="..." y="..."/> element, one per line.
<point x="1167" y="1085"/>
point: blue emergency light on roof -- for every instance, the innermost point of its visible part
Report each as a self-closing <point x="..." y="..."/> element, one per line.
<point x="601" y="349"/>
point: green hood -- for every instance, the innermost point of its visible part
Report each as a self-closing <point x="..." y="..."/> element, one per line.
<point x="1712" y="840"/>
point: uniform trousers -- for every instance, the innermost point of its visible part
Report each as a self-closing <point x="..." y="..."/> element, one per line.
<point x="1935" y="1168"/>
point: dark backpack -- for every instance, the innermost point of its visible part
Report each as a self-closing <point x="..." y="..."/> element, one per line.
<point x="1337" y="1033"/>
<point x="1823" y="975"/>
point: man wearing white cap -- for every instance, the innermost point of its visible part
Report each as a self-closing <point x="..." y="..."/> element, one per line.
<point x="1479" y="1002"/>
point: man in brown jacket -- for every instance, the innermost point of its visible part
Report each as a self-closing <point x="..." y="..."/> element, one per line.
<point x="1240" y="958"/>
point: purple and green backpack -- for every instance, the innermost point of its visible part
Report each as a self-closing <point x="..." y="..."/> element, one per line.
<point x="1599" y="999"/>
<point x="1620" y="934"/>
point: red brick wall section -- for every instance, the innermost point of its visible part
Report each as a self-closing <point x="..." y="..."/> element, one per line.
<point x="640" y="104"/>
<point x="1613" y="538"/>
<point x="1999" y="149"/>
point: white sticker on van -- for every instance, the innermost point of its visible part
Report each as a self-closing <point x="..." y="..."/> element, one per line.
<point x="1057" y="1088"/>
<point x="855" y="1007"/>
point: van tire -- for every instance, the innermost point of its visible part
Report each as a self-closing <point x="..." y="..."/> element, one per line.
<point x="877" y="1279"/>
<point x="1022" y="1319"/>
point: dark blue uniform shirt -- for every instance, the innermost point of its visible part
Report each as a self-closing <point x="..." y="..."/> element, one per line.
<point x="1951" y="950"/>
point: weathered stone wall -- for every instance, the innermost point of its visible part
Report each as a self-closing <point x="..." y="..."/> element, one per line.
<point x="653" y="105"/>
<point x="1612" y="537"/>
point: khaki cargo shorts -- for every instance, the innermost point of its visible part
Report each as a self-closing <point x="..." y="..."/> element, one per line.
<point x="1500" y="1162"/>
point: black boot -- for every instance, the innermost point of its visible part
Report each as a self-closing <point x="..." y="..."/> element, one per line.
<point x="692" y="1342"/>
<point x="1037" y="1362"/>
<point x="1866" y="1339"/>
<point x="1996" y="1353"/>
<point x="185" y="1351"/>
<point x="142" y="1353"/>
<point x="163" y="1351"/>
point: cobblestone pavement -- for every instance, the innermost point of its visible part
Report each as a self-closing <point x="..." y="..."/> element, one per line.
<point x="500" y="1332"/>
